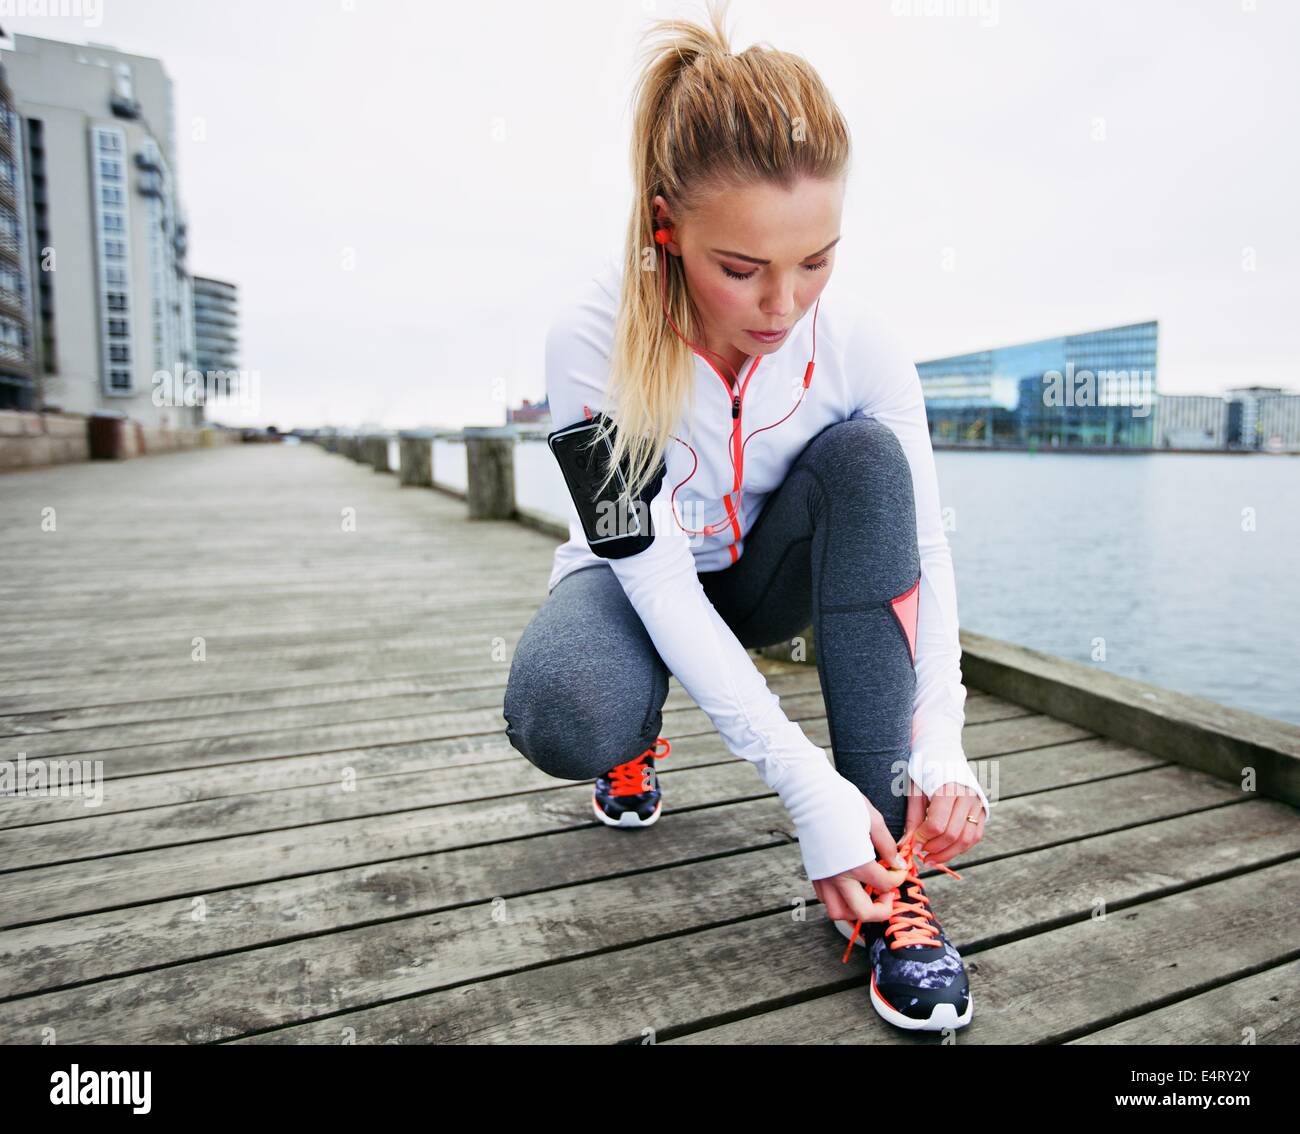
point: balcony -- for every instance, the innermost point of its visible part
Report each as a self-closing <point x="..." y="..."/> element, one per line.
<point x="124" y="107"/>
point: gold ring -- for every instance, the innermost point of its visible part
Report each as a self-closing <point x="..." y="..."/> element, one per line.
<point x="971" y="819"/>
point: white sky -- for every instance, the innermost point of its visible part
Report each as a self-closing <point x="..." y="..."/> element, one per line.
<point x="474" y="158"/>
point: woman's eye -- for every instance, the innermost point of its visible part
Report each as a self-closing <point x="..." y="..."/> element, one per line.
<point x="749" y="275"/>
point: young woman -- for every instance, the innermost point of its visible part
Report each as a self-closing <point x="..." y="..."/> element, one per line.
<point x="746" y="460"/>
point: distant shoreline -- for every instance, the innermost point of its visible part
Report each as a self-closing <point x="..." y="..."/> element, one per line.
<point x="1108" y="450"/>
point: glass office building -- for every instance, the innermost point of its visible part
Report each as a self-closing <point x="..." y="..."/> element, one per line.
<point x="1095" y="389"/>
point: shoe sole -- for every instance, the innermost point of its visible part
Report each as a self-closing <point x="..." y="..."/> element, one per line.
<point x="943" y="1016"/>
<point x="628" y="818"/>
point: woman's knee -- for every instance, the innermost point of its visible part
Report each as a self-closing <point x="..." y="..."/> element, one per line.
<point x="869" y="508"/>
<point x="576" y="717"/>
<point x="863" y="457"/>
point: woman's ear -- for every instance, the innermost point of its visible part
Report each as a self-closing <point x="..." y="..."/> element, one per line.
<point x="664" y="221"/>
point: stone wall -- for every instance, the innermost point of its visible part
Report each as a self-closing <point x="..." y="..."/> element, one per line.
<point x="28" y="440"/>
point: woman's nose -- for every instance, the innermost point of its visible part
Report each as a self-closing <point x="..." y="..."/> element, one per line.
<point x="778" y="304"/>
<point x="779" y="307"/>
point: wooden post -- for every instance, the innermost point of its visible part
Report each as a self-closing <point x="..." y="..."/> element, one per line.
<point x="377" y="452"/>
<point x="417" y="457"/>
<point x="490" y="470"/>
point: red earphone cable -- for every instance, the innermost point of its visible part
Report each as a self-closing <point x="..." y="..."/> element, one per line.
<point x="662" y="237"/>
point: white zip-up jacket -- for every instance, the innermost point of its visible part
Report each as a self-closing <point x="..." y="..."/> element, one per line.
<point x="860" y="371"/>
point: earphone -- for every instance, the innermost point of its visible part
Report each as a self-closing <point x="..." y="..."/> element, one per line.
<point x="737" y="449"/>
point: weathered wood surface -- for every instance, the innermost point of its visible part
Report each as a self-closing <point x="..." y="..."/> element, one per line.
<point x="320" y="834"/>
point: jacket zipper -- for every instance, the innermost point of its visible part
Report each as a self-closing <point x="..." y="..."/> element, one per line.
<point x="737" y="449"/>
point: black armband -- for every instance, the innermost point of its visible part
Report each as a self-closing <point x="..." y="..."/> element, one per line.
<point x="614" y="525"/>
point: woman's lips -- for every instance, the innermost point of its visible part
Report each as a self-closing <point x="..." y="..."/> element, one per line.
<point x="768" y="336"/>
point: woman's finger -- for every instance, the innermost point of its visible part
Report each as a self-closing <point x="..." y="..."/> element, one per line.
<point x="861" y="905"/>
<point x="950" y="841"/>
<point x="832" y="903"/>
<point x="916" y="803"/>
<point x="877" y="877"/>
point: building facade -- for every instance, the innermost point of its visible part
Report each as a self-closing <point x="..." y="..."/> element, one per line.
<point x="112" y="303"/>
<point x="1263" y="417"/>
<point x="18" y="364"/>
<point x="1191" y="421"/>
<point x="1096" y="388"/>
<point x="216" y="328"/>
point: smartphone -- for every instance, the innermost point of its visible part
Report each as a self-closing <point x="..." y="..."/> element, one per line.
<point x="606" y="516"/>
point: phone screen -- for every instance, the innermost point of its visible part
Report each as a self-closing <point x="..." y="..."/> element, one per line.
<point x="604" y="517"/>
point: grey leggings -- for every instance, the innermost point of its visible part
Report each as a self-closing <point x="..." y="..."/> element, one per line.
<point x="833" y="545"/>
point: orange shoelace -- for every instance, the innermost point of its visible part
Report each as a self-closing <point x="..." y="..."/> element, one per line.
<point x="631" y="778"/>
<point x="916" y="927"/>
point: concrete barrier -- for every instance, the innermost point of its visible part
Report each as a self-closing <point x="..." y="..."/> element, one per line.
<point x="33" y="439"/>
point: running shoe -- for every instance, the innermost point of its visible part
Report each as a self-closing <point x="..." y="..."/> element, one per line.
<point x="628" y="795"/>
<point x="918" y="980"/>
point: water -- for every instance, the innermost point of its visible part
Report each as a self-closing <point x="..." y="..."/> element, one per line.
<point x="1144" y="565"/>
<point x="1153" y="554"/>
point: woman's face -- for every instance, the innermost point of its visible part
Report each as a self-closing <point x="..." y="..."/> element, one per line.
<point x="756" y="259"/>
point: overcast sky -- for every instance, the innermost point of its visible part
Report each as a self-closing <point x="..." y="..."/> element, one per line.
<point x="403" y="191"/>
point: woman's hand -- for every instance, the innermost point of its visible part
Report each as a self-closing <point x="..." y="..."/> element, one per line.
<point x="943" y="829"/>
<point x="843" y="895"/>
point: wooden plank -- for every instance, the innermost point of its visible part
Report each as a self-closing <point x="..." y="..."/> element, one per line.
<point x="246" y="722"/>
<point x="471" y="809"/>
<point x="98" y="945"/>
<point x="337" y="971"/>
<point x="269" y="744"/>
<point x="689" y="980"/>
<point x="331" y="693"/>
<point x="245" y="701"/>
<point x="374" y="665"/>
<point x="1255" y="1009"/>
<point x="42" y="839"/>
<point x="155" y="790"/>
<point x="318" y="718"/>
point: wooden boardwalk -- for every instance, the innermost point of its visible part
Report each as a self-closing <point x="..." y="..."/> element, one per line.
<point x="314" y="830"/>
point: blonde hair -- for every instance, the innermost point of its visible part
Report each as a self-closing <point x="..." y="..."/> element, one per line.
<point x="704" y="120"/>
